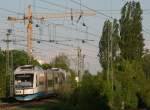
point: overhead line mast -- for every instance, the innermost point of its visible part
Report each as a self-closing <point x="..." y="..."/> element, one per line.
<point x="30" y="16"/>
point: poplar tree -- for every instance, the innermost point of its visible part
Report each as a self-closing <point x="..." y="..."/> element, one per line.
<point x="109" y="30"/>
<point x="131" y="44"/>
<point x="104" y="45"/>
<point x="115" y="40"/>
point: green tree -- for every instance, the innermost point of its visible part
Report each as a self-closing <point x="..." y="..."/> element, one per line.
<point x="146" y="65"/>
<point x="115" y="40"/>
<point x="145" y="96"/>
<point x="61" y="61"/>
<point x="104" y="45"/>
<point x="128" y="84"/>
<point x="89" y="95"/>
<point x="21" y="58"/>
<point x="109" y="40"/>
<point x="18" y="58"/>
<point x="128" y="80"/>
<point x="46" y="66"/>
<point x="2" y="74"/>
<point x="131" y="43"/>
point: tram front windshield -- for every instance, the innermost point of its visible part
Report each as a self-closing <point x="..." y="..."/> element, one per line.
<point x="24" y="80"/>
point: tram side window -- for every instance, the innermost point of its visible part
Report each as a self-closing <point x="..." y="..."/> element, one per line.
<point x="41" y="80"/>
<point x="56" y="80"/>
<point x="50" y="82"/>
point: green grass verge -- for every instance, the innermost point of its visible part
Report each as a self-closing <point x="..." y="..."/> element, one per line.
<point x="46" y="106"/>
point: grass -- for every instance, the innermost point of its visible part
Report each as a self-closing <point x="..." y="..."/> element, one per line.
<point x="49" y="105"/>
<point x="45" y="106"/>
<point x="7" y="100"/>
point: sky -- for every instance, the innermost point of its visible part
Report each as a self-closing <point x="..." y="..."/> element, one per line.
<point x="64" y="29"/>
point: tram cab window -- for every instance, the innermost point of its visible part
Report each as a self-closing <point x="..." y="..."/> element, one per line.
<point x="24" y="80"/>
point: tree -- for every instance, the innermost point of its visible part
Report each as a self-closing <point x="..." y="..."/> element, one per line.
<point x="146" y="65"/>
<point x="128" y="80"/>
<point x="22" y="58"/>
<point x="146" y="89"/>
<point x="128" y="84"/>
<point x="115" y="40"/>
<point x="2" y="74"/>
<point x="46" y="66"/>
<point x="131" y="43"/>
<point x="89" y="95"/>
<point x="104" y="45"/>
<point x="19" y="58"/>
<point x="61" y="61"/>
<point x="145" y="97"/>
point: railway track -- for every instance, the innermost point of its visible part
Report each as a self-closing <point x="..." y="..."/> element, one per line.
<point x="7" y="106"/>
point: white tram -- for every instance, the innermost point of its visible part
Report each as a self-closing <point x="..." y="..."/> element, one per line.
<point x="32" y="82"/>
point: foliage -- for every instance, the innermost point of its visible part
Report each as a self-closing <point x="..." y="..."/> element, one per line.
<point x="110" y="32"/>
<point x="46" y="66"/>
<point x="115" y="40"/>
<point x="131" y="77"/>
<point x="128" y="80"/>
<point x="104" y="44"/>
<point x="69" y="86"/>
<point x="128" y="86"/>
<point x="131" y="43"/>
<point x="2" y="75"/>
<point x="21" y="58"/>
<point x="89" y="95"/>
<point x="17" y="58"/>
<point x="146" y="88"/>
<point x="146" y="65"/>
<point x="72" y="81"/>
<point x="145" y="97"/>
<point x="61" y="61"/>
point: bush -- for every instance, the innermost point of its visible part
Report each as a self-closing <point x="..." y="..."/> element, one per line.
<point x="89" y="95"/>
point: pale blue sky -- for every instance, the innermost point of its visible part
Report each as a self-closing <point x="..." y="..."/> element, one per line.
<point x="47" y="51"/>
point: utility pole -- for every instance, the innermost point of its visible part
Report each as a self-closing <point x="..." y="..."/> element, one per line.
<point x="110" y="75"/>
<point x="82" y="66"/>
<point x="111" y="61"/>
<point x="11" y="64"/>
<point x="7" y="62"/>
<point x="108" y="57"/>
<point x="79" y="63"/>
<point x="9" y="73"/>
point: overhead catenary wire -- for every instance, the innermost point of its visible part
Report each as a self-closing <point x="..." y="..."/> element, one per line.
<point x="48" y="41"/>
<point x="55" y="42"/>
<point x="78" y="30"/>
<point x="55" y="4"/>
<point x="11" y="11"/>
<point x="69" y="38"/>
<point x="58" y="43"/>
<point x="98" y="12"/>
